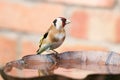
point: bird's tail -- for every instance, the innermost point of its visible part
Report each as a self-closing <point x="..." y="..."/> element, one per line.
<point x="42" y="49"/>
<point x="39" y="50"/>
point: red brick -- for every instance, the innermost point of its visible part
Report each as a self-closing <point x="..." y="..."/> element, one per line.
<point x="79" y="24"/>
<point x="91" y="3"/>
<point x="32" y="18"/>
<point x="7" y="50"/>
<point x="94" y="25"/>
<point x="79" y="47"/>
<point x="1" y="78"/>
<point x="28" y="47"/>
<point x="118" y="30"/>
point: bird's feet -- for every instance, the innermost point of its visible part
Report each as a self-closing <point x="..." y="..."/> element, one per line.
<point x="55" y="52"/>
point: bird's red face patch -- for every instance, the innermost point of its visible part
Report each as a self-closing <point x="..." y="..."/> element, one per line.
<point x="63" y="21"/>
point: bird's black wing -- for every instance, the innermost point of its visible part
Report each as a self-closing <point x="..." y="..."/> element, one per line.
<point x="44" y="36"/>
<point x="41" y="40"/>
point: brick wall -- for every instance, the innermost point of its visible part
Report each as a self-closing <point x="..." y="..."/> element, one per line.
<point x="95" y="25"/>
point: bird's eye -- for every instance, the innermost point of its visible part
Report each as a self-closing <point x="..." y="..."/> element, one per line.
<point x="54" y="22"/>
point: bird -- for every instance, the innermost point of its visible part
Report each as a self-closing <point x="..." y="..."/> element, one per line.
<point x="54" y="36"/>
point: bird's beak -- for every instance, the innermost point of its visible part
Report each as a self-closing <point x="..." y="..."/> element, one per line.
<point x="68" y="21"/>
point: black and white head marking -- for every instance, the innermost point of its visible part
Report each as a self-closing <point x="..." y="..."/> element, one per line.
<point x="54" y="22"/>
<point x="60" y="22"/>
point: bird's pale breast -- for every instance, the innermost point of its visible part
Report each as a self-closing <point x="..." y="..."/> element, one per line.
<point x="59" y="36"/>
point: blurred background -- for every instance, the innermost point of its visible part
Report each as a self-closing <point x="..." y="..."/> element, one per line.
<point x="95" y="25"/>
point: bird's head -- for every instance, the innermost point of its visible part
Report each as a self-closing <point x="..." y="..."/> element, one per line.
<point x="60" y="22"/>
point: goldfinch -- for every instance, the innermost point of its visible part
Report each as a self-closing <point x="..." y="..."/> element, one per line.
<point x="54" y="36"/>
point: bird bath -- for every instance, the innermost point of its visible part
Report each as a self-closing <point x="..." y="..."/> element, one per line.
<point x="82" y="65"/>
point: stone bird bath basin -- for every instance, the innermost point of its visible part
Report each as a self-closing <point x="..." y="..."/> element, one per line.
<point x="71" y="65"/>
